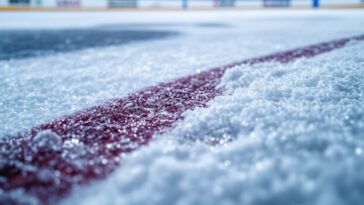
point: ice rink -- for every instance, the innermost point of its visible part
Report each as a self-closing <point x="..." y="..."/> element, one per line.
<point x="279" y="133"/>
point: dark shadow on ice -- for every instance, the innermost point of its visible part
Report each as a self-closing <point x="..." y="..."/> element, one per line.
<point x="166" y="25"/>
<point x="15" y="44"/>
<point x="214" y="25"/>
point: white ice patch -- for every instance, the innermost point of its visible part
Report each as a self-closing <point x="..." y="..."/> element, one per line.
<point x="290" y="134"/>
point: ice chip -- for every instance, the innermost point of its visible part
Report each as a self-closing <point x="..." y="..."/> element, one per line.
<point x="47" y="140"/>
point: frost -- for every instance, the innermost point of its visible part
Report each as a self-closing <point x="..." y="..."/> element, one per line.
<point x="290" y="134"/>
<point x="41" y="89"/>
<point x="281" y="134"/>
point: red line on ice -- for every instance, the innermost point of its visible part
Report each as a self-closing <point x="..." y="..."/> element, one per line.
<point x="97" y="137"/>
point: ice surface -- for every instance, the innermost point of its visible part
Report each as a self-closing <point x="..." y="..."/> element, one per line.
<point x="29" y="43"/>
<point x="290" y="134"/>
<point x="287" y="133"/>
<point x="40" y="89"/>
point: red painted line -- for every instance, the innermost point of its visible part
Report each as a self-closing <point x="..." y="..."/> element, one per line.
<point x="94" y="139"/>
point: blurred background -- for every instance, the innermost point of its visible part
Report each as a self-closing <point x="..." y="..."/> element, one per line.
<point x="176" y="4"/>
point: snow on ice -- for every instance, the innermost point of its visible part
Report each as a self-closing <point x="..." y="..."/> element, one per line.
<point x="294" y="133"/>
<point x="289" y="134"/>
<point x="40" y="89"/>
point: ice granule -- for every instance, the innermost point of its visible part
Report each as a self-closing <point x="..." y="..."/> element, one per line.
<point x="47" y="140"/>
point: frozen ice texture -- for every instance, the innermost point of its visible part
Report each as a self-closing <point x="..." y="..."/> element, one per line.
<point x="44" y="88"/>
<point x="286" y="133"/>
<point x="289" y="134"/>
